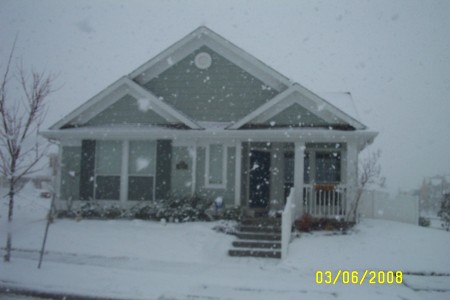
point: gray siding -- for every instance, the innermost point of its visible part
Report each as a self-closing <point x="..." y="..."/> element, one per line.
<point x="126" y="111"/>
<point x="295" y="115"/>
<point x="223" y="92"/>
<point x="70" y="173"/>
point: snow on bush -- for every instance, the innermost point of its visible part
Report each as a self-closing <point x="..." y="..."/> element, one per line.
<point x="174" y="210"/>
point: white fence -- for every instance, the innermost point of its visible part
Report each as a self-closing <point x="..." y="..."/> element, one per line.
<point x="325" y="201"/>
<point x="379" y="205"/>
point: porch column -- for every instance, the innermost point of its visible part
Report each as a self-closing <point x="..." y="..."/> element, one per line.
<point x="237" y="174"/>
<point x="352" y="174"/>
<point x="124" y="173"/>
<point x="193" y="153"/>
<point x="298" y="177"/>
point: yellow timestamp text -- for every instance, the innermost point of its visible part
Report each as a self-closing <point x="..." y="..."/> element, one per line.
<point x="355" y="277"/>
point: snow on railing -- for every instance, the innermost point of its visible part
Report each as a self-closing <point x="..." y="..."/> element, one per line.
<point x="287" y="218"/>
<point x="325" y="200"/>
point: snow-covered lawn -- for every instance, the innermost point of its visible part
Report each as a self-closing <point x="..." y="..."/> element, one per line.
<point x="151" y="260"/>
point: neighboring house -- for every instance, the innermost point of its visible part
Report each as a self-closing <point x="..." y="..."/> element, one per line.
<point x="431" y="192"/>
<point x="206" y="118"/>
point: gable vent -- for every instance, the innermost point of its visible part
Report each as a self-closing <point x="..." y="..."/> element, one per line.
<point x="203" y="60"/>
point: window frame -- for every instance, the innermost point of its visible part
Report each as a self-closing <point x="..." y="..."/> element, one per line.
<point x="314" y="148"/>
<point x="151" y="174"/>
<point x="223" y="184"/>
<point x="106" y="174"/>
<point x="338" y="171"/>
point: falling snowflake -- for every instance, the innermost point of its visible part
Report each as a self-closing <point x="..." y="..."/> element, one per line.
<point x="142" y="163"/>
<point x="144" y="105"/>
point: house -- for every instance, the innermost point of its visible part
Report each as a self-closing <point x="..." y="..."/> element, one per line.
<point x="206" y="118"/>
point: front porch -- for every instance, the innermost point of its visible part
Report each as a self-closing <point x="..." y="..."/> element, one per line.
<point x="323" y="179"/>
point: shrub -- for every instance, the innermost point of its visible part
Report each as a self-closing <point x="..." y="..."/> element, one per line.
<point x="444" y="212"/>
<point x="304" y="223"/>
<point x="307" y="223"/>
<point x="173" y="210"/>
<point x="232" y="213"/>
<point x="425" y="222"/>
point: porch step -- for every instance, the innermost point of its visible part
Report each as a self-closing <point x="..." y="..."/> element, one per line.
<point x="260" y="228"/>
<point x="261" y="221"/>
<point x="255" y="253"/>
<point x="259" y="236"/>
<point x="257" y="244"/>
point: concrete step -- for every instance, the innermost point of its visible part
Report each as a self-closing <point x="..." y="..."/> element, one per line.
<point x="255" y="253"/>
<point x="257" y="244"/>
<point x="260" y="228"/>
<point x="259" y="236"/>
<point x="261" y="221"/>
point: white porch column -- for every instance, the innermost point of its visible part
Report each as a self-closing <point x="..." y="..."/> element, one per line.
<point x="193" y="153"/>
<point x="237" y="174"/>
<point x="298" y="177"/>
<point x="352" y="173"/>
<point x="124" y="173"/>
<point x="58" y="177"/>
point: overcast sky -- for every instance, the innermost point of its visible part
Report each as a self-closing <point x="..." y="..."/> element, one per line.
<point x="393" y="56"/>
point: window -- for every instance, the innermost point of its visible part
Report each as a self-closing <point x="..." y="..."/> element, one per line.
<point x="328" y="167"/>
<point x="141" y="170"/>
<point x="108" y="161"/>
<point x="216" y="166"/>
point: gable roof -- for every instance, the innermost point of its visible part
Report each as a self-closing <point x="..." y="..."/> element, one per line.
<point x="113" y="93"/>
<point x="299" y="95"/>
<point x="289" y="96"/>
<point x="203" y="36"/>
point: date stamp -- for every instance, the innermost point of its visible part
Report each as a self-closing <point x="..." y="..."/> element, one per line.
<point x="358" y="278"/>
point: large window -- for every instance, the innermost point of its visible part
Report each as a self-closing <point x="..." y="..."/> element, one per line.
<point x="319" y="167"/>
<point x="328" y="167"/>
<point x="216" y="166"/>
<point x="108" y="163"/>
<point x="141" y="170"/>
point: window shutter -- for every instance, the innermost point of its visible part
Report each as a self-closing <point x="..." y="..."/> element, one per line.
<point x="87" y="170"/>
<point x="163" y="168"/>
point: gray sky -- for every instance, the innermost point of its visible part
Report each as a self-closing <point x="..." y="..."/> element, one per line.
<point x="393" y="56"/>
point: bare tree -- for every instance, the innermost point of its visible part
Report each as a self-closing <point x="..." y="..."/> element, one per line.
<point x="20" y="120"/>
<point x="369" y="173"/>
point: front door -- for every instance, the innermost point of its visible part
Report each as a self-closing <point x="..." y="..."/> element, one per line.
<point x="259" y="179"/>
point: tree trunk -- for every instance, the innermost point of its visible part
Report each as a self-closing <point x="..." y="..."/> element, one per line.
<point x="352" y="214"/>
<point x="358" y="198"/>
<point x="11" y="199"/>
<point x="7" y="257"/>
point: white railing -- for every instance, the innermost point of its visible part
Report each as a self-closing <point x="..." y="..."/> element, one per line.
<point x="287" y="218"/>
<point x="325" y="200"/>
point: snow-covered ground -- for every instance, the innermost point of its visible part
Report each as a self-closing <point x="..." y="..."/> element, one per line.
<point x="151" y="260"/>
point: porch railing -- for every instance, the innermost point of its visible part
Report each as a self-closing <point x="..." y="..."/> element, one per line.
<point x="287" y="218"/>
<point x="325" y="200"/>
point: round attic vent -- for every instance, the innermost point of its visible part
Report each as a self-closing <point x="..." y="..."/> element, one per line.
<point x="203" y="60"/>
